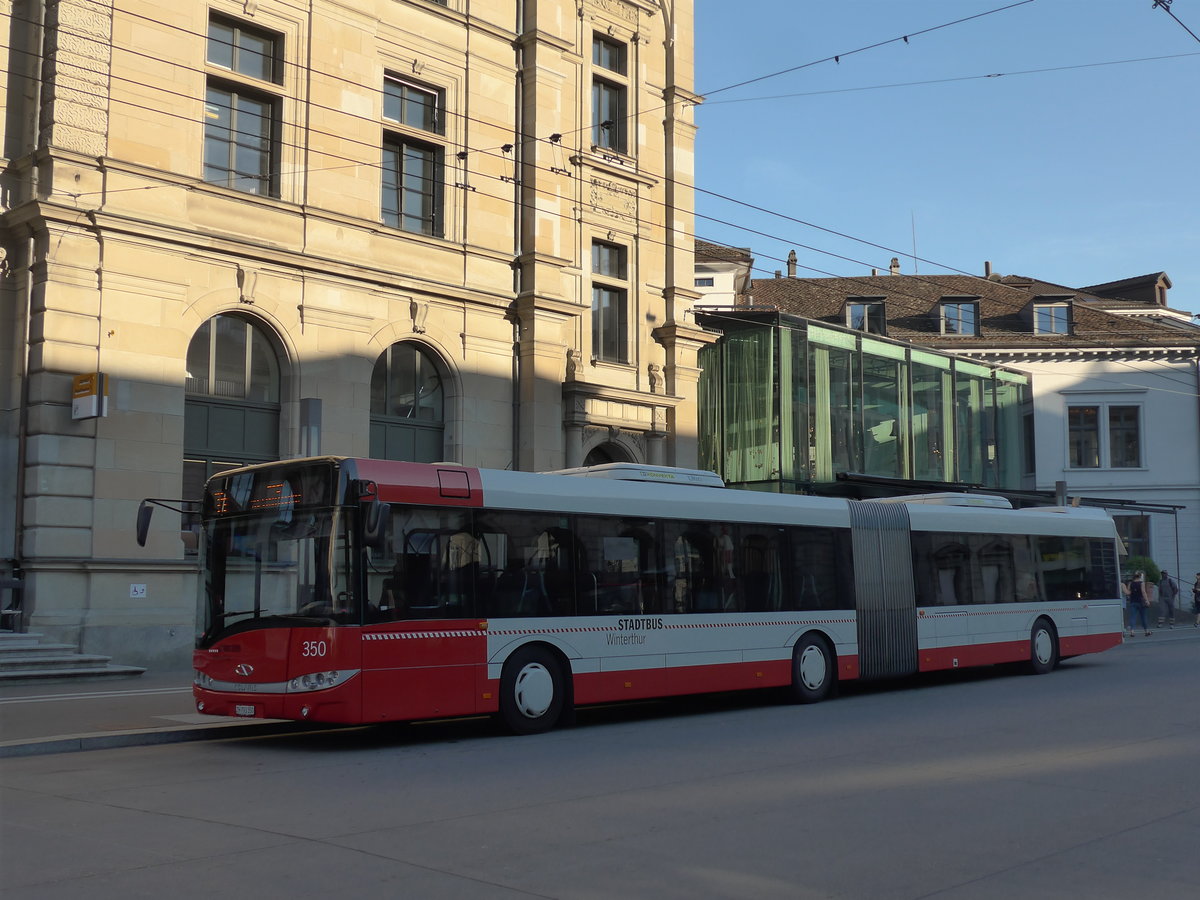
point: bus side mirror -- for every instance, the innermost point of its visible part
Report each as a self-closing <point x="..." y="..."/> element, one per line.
<point x="377" y="524"/>
<point x="144" y="514"/>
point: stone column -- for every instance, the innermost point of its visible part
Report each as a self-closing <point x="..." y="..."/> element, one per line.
<point x="682" y="373"/>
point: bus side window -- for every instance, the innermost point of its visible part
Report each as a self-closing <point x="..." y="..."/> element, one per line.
<point x="820" y="573"/>
<point x="951" y="560"/>
<point x="996" y="570"/>
<point x="611" y="584"/>
<point x="760" y="578"/>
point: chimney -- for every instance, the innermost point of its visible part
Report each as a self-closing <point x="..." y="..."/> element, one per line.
<point x="987" y="268"/>
<point x="792" y="264"/>
<point x="894" y="268"/>
<point x="779" y="273"/>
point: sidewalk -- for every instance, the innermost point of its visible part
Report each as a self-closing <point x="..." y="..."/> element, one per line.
<point x="101" y="713"/>
<point x="157" y="708"/>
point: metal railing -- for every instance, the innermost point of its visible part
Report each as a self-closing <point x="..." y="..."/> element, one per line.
<point x="12" y="616"/>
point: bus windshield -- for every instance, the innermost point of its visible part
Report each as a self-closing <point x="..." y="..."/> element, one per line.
<point x="261" y="567"/>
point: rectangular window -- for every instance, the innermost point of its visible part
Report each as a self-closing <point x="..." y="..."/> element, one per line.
<point x="1124" y="437"/>
<point x="608" y="54"/>
<point x="608" y="260"/>
<point x="412" y="186"/>
<point x="609" y="94"/>
<point x="241" y="140"/>
<point x="960" y="317"/>
<point x="242" y="122"/>
<point x="866" y="315"/>
<point x="1083" y="427"/>
<point x="244" y="49"/>
<point x="413" y="105"/>
<point x="1051" y="318"/>
<point x="608" y="110"/>
<point x="704" y="282"/>
<point x="414" y="177"/>
<point x="610" y="303"/>
<point x="1102" y="436"/>
<point x="1134" y="532"/>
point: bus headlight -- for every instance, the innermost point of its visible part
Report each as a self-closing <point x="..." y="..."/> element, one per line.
<point x="203" y="680"/>
<point x="317" y="681"/>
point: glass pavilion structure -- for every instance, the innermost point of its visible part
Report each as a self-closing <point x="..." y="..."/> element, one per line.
<point x="795" y="406"/>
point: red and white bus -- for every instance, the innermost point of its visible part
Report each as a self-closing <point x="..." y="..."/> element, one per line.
<point x="358" y="590"/>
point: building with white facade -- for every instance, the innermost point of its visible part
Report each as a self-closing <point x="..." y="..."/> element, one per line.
<point x="1115" y="381"/>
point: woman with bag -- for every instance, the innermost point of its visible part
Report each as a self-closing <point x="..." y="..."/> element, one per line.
<point x="1139" y="599"/>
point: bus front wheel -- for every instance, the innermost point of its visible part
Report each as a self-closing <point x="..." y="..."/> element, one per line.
<point x="1043" y="647"/>
<point x="531" y="691"/>
<point x="814" y="669"/>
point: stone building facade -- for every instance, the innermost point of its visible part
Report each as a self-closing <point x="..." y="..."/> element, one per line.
<point x="455" y="230"/>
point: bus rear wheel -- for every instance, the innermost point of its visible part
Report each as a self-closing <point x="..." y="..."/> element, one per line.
<point x="814" y="669"/>
<point x="1043" y="647"/>
<point x="532" y="693"/>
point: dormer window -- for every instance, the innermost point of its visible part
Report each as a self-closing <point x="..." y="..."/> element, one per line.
<point x="960" y="316"/>
<point x="866" y="314"/>
<point x="1052" y="318"/>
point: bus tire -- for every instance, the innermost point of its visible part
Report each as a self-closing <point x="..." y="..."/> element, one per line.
<point x="814" y="669"/>
<point x="532" y="691"/>
<point x="1043" y="647"/>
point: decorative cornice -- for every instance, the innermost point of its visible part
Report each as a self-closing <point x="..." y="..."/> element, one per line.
<point x="619" y="395"/>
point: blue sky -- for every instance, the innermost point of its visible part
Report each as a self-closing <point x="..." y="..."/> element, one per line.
<point x="1077" y="176"/>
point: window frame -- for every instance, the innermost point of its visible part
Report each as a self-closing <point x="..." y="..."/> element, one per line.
<point x="394" y="215"/>
<point x="403" y="137"/>
<point x="242" y="84"/>
<point x="1104" y="434"/>
<point x="961" y="304"/>
<point x="610" y="281"/>
<point x="874" y="314"/>
<point x="610" y="92"/>
<point x="1066" y="320"/>
<point x="240" y="28"/>
<point x="436" y="106"/>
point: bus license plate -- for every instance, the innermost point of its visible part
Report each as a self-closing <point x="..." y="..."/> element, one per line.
<point x="243" y="709"/>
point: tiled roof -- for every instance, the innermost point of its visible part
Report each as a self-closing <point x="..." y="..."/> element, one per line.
<point x="913" y="307"/>
<point x="1112" y="288"/>
<point x="705" y="250"/>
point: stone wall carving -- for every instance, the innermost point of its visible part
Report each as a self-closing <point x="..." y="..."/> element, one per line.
<point x="617" y="9"/>
<point x="614" y="200"/>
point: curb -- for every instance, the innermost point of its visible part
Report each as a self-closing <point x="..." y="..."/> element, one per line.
<point x="150" y="737"/>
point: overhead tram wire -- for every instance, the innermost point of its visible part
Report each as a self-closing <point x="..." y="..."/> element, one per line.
<point x="355" y="163"/>
<point x="351" y="163"/>
<point x="837" y="58"/>
<point x="534" y="139"/>
<point x="958" y="78"/>
<point x="309" y="70"/>
<point x="1165" y="5"/>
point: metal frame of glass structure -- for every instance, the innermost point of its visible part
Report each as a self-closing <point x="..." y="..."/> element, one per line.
<point x="788" y="405"/>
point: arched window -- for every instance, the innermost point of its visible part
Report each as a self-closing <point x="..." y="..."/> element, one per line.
<point x="407" y="405"/>
<point x="231" y="405"/>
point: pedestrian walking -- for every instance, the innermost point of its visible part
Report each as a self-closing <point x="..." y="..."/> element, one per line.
<point x="1196" y="600"/>
<point x="1168" y="596"/>
<point x="1139" y="599"/>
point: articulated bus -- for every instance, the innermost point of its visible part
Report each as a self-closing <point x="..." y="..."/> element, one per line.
<point x="359" y="591"/>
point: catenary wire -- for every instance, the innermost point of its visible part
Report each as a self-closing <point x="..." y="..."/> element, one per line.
<point x="526" y="138"/>
<point x="357" y="163"/>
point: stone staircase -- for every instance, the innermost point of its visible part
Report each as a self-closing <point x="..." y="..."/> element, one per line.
<point x="26" y="657"/>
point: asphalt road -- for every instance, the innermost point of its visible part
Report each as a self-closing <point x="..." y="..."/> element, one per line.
<point x="978" y="785"/>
